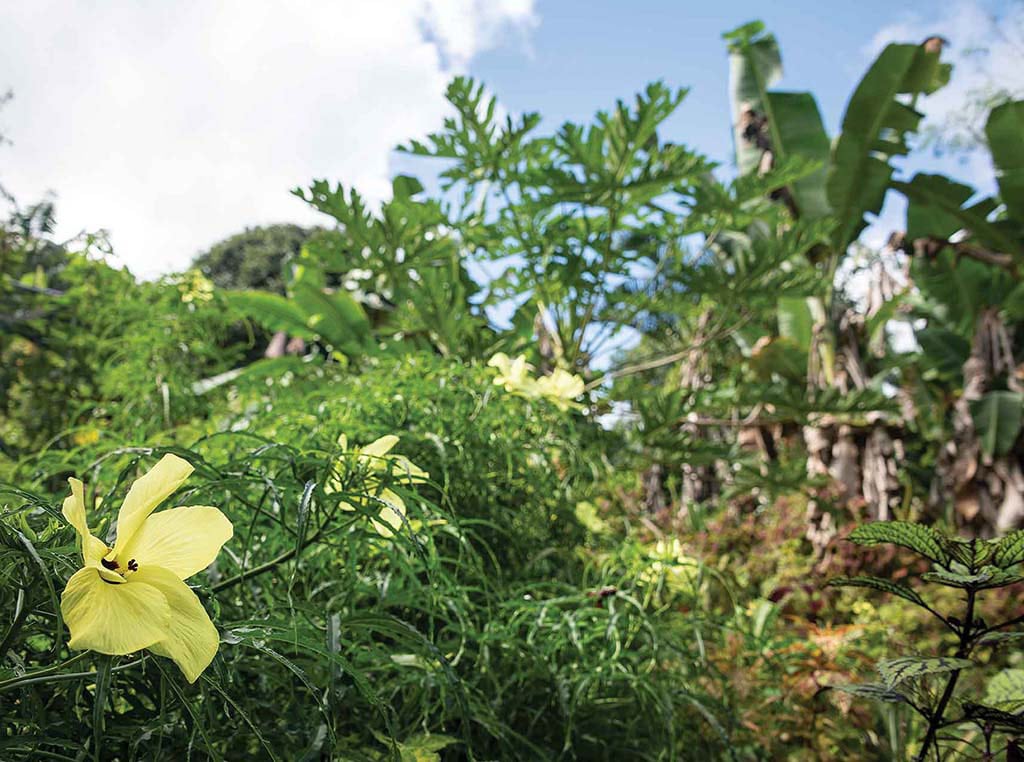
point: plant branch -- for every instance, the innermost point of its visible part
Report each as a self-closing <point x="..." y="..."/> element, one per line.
<point x="257" y="570"/>
<point x="962" y="651"/>
<point x="1001" y="625"/>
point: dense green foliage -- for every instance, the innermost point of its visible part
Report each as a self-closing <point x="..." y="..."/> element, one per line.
<point x="617" y="554"/>
<point x="255" y="258"/>
<point x="975" y="567"/>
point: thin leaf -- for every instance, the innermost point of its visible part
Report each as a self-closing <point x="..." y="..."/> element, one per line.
<point x="103" y="676"/>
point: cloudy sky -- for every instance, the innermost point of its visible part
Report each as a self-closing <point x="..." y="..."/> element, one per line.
<point x="172" y="125"/>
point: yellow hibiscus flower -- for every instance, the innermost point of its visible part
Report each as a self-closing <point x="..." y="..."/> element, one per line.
<point x="133" y="596"/>
<point x="561" y="388"/>
<point x="378" y="463"/>
<point x="513" y="375"/>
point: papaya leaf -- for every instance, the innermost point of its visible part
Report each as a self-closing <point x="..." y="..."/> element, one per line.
<point x="897" y="671"/>
<point x="920" y="539"/>
<point x="406" y="186"/>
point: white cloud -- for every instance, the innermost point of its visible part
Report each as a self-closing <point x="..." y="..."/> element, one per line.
<point x="464" y="27"/>
<point x="173" y="125"/>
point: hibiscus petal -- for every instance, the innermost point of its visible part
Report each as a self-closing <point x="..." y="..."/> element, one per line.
<point x="500" y="361"/>
<point x="389" y="520"/>
<point x="112" y="618"/>
<point x="379" y="447"/>
<point x="182" y="540"/>
<point x="190" y="639"/>
<point x="93" y="549"/>
<point x="148" y="491"/>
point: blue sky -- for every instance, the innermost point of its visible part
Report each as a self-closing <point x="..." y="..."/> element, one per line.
<point x="174" y="126"/>
<point x="584" y="54"/>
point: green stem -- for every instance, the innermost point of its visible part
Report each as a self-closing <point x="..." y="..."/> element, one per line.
<point x="962" y="652"/>
<point x="14" y="682"/>
<point x="1001" y="625"/>
<point x="254" y="571"/>
<point x="38" y="677"/>
<point x="286" y="556"/>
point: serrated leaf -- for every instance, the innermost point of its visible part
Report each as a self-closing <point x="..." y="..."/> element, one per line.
<point x="1009" y="550"/>
<point x="897" y="671"/>
<point x="877" y="583"/>
<point x="1005" y="686"/>
<point x="971" y="553"/>
<point x="1006" y="718"/>
<point x="874" y="691"/>
<point x="986" y="578"/>
<point x="999" y="638"/>
<point x="916" y="537"/>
